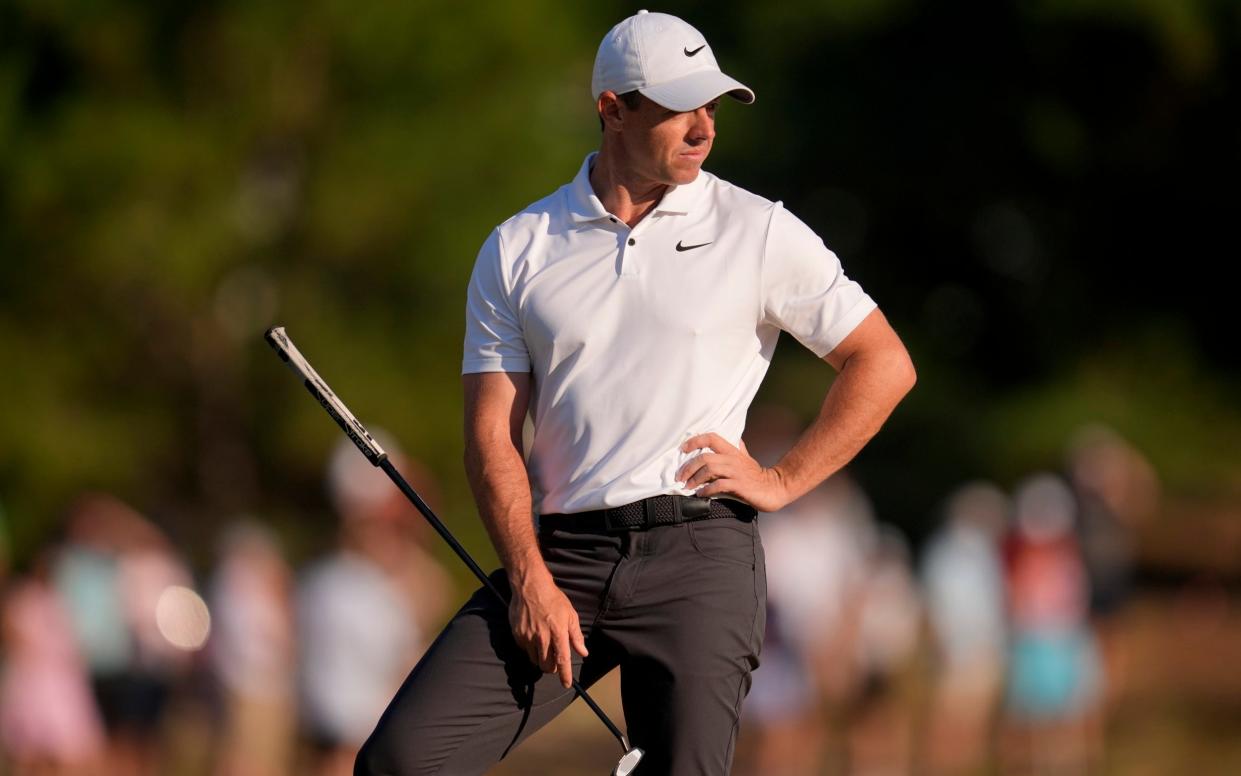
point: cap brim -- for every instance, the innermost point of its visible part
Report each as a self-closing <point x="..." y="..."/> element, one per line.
<point x="697" y="89"/>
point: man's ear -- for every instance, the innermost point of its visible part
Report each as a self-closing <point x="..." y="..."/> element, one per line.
<point x="610" y="111"/>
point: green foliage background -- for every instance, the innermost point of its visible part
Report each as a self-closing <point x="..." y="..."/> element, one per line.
<point x="1039" y="194"/>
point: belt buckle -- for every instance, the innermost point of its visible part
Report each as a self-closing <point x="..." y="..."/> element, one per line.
<point x="693" y="507"/>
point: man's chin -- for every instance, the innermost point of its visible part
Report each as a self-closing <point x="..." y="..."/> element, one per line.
<point x="686" y="173"/>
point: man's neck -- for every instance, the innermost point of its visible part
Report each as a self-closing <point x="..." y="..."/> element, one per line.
<point x="626" y="196"/>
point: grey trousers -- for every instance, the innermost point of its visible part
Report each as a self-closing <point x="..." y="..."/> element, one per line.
<point x="680" y="609"/>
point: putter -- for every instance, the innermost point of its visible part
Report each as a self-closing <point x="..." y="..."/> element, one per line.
<point x="288" y="352"/>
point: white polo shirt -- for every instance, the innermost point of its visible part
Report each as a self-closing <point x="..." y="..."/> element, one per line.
<point x="639" y="338"/>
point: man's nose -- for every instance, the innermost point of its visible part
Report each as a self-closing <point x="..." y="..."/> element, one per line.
<point x="703" y="128"/>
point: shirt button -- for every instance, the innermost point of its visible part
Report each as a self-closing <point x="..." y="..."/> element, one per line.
<point x="632" y="241"/>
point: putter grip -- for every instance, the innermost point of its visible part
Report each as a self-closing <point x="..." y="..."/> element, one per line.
<point x="353" y="428"/>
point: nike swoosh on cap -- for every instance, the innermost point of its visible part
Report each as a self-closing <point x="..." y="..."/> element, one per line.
<point x="689" y="53"/>
<point x="681" y="247"/>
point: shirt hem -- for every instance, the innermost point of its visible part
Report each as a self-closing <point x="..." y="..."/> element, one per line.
<point x="845" y="326"/>
<point x="475" y="366"/>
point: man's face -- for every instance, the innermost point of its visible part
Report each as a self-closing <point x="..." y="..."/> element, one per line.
<point x="667" y="146"/>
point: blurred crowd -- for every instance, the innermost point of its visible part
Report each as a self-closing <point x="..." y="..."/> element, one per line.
<point x="111" y="652"/>
<point x="995" y="651"/>
<point x="991" y="649"/>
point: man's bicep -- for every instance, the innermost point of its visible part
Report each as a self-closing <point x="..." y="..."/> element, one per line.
<point x="873" y="335"/>
<point x="495" y="405"/>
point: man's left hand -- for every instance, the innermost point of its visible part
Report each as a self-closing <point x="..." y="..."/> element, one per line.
<point x="730" y="471"/>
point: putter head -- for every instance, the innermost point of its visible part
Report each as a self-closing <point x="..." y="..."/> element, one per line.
<point x="628" y="762"/>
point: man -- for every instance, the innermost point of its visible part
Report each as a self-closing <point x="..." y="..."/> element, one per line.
<point x="633" y="314"/>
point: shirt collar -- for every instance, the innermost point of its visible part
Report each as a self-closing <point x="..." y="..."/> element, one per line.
<point x="584" y="204"/>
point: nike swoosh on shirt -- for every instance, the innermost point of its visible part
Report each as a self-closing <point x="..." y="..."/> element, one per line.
<point x="681" y="247"/>
<point x="689" y="53"/>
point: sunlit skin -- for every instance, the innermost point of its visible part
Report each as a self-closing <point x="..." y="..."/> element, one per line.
<point x="646" y="150"/>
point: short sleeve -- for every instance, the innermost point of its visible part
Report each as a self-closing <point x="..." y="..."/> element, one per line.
<point x="805" y="290"/>
<point x="493" y="338"/>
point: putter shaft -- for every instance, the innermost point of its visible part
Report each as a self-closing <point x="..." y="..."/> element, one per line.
<point x="279" y="340"/>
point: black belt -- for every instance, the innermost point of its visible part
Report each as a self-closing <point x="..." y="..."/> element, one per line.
<point x="648" y="513"/>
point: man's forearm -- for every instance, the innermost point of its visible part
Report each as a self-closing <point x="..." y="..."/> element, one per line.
<point x="501" y="486"/>
<point x="863" y="395"/>
<point x="543" y="620"/>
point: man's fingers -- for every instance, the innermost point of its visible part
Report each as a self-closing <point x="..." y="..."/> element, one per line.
<point x="708" y="490"/>
<point x="579" y="641"/>
<point x="564" y="662"/>
<point x="710" y="473"/>
<point x="712" y="440"/>
<point x="546" y="655"/>
<point x="694" y="465"/>
<point x="720" y="487"/>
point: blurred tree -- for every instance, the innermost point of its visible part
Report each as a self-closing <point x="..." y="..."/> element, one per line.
<point x="1035" y="192"/>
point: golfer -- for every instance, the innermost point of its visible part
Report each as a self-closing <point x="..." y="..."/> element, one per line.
<point x="632" y="314"/>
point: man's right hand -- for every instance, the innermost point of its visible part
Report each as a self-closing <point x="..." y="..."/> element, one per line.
<point x="545" y="625"/>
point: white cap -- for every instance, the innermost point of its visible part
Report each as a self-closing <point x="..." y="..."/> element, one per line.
<point x="666" y="60"/>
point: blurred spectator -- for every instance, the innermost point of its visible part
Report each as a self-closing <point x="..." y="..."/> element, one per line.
<point x="86" y="578"/>
<point x="782" y="710"/>
<point x="814" y="560"/>
<point x="252" y="653"/>
<point x="816" y="555"/>
<point x="963" y="584"/>
<point x="364" y="612"/>
<point x="147" y="568"/>
<point x="1053" y="673"/>
<point x="1116" y="489"/>
<point x="48" y="720"/>
<point x="381" y="523"/>
<point x="889" y="623"/>
<point x="817" y="576"/>
<point x="114" y="575"/>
